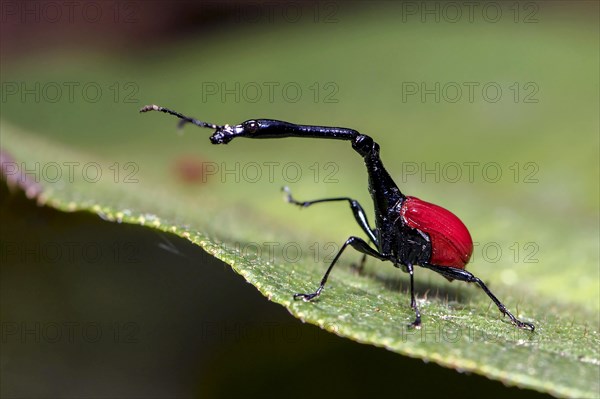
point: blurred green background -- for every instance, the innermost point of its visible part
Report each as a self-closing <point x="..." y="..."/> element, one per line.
<point x="502" y="87"/>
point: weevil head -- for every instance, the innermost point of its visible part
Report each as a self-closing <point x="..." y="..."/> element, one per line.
<point x="255" y="128"/>
<point x="268" y="128"/>
<point x="224" y="134"/>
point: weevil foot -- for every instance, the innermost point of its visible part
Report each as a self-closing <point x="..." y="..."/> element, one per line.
<point x="306" y="297"/>
<point x="524" y="325"/>
<point x="416" y="324"/>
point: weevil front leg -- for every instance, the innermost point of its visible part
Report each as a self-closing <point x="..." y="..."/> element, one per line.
<point x="357" y="210"/>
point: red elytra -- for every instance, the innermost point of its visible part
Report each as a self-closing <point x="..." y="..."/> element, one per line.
<point x="451" y="243"/>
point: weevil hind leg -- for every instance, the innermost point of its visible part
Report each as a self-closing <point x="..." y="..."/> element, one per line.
<point x="452" y="273"/>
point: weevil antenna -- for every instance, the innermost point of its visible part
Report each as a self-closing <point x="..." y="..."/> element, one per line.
<point x="184" y="119"/>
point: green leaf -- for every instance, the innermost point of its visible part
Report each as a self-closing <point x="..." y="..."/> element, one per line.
<point x="535" y="226"/>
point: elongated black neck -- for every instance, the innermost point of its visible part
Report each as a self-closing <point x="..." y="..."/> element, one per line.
<point x="383" y="189"/>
